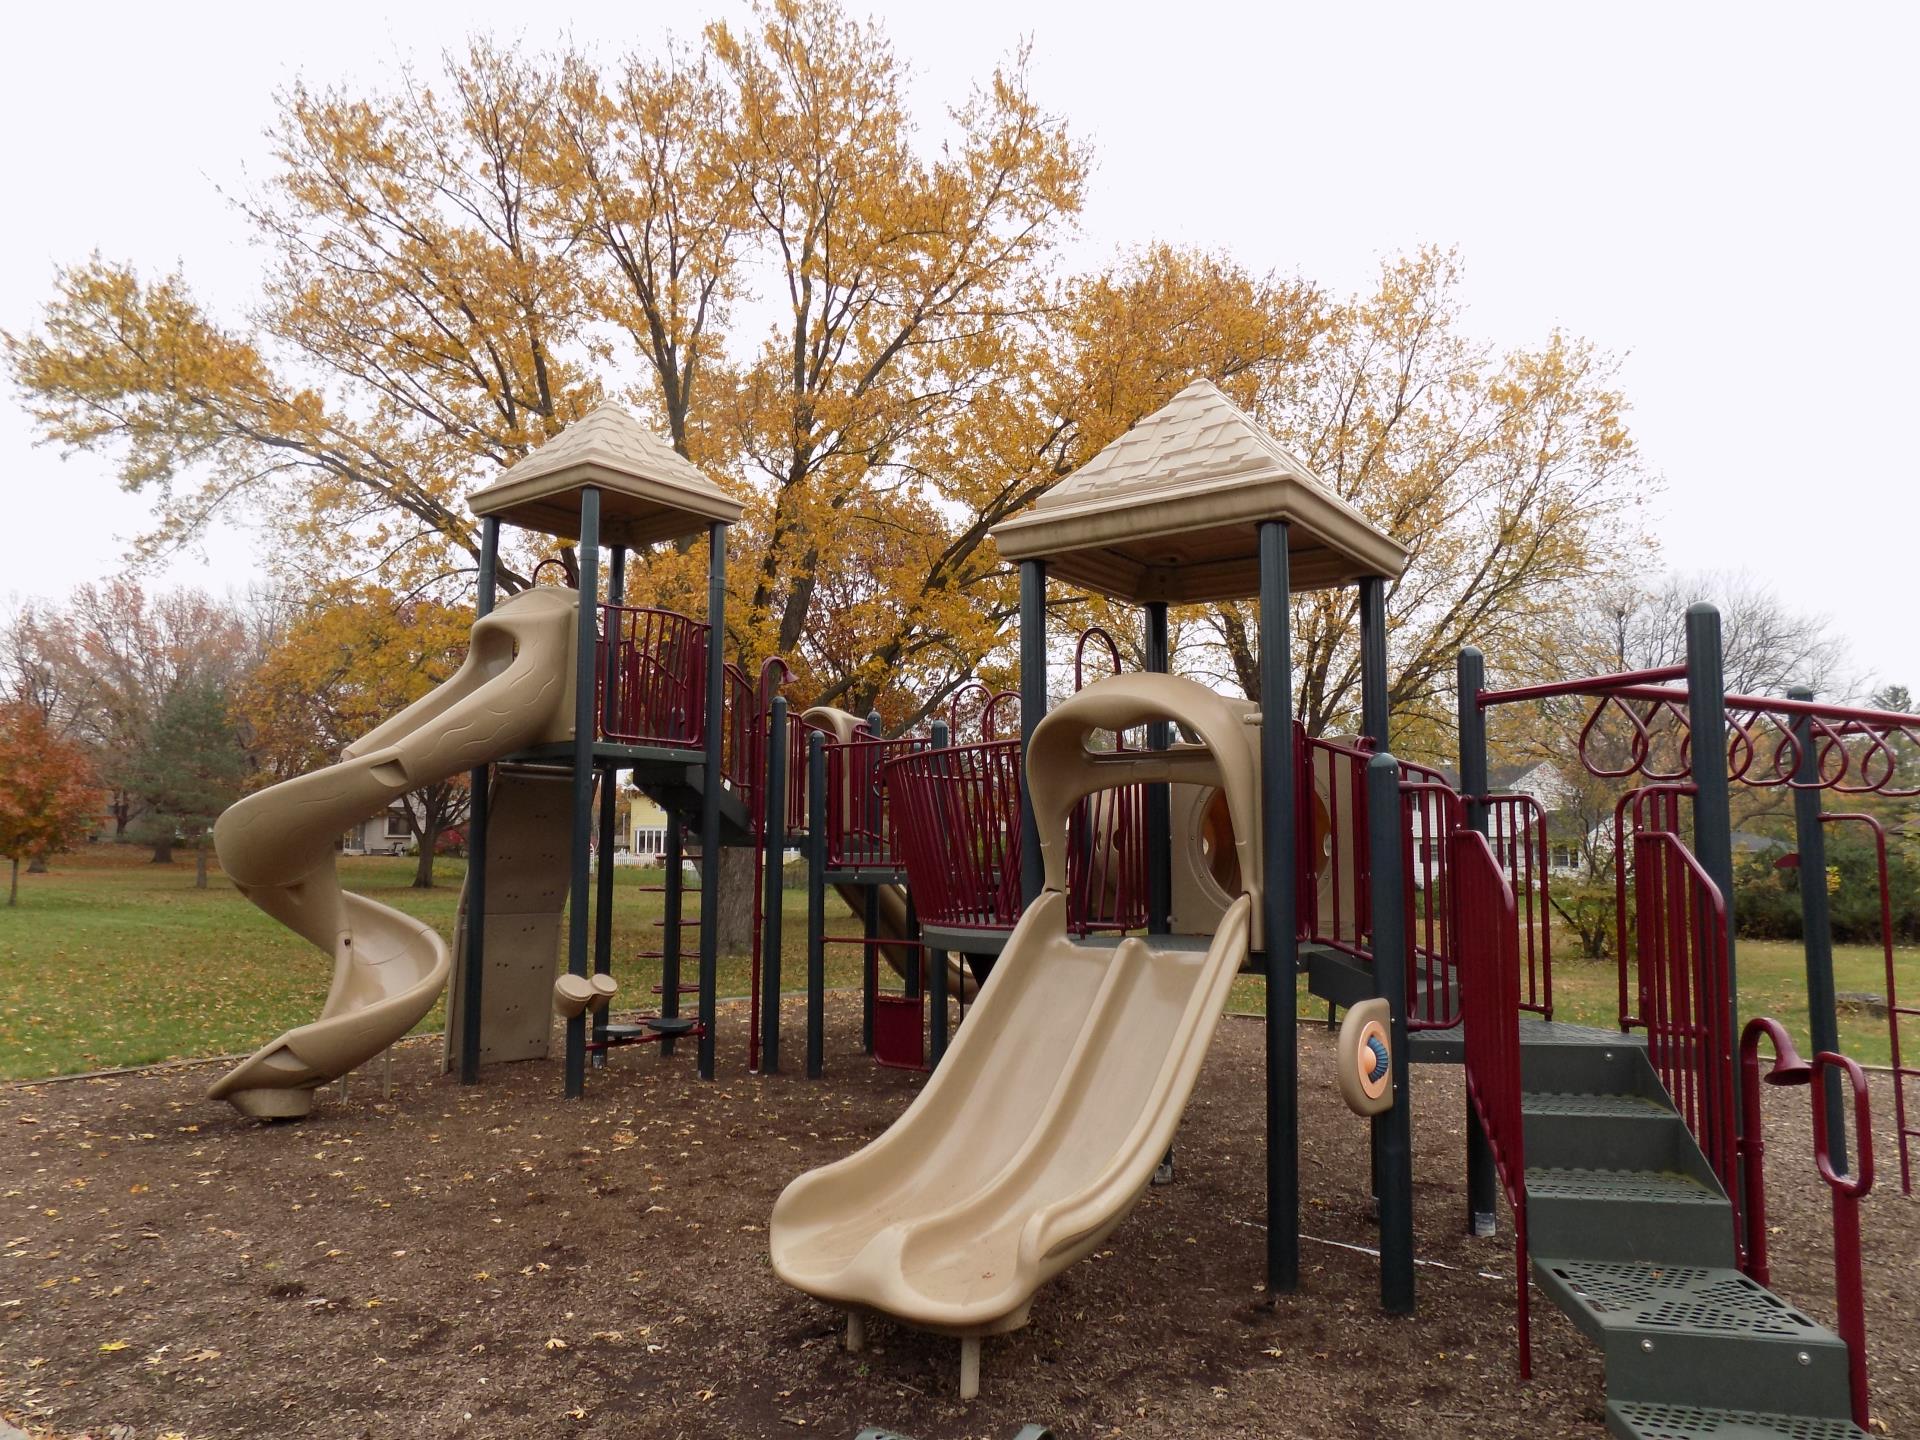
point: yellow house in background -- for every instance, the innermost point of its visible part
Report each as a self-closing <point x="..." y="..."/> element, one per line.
<point x="641" y="828"/>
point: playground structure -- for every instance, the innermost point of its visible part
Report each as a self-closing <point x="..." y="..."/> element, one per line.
<point x="1014" y="873"/>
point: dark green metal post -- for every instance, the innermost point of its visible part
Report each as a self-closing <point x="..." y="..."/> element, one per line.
<point x="585" y="727"/>
<point x="1482" y="1177"/>
<point x="603" y="893"/>
<point x="710" y="791"/>
<point x="672" y="914"/>
<point x="1374" y="721"/>
<point x="1395" y="1128"/>
<point x="869" y="962"/>
<point x="1278" y="907"/>
<point x="1159" y="796"/>
<point x="775" y="840"/>
<point x="1816" y="922"/>
<point x="479" y="802"/>
<point x="1712" y="814"/>
<point x="609" y="800"/>
<point x="937" y="959"/>
<point x="1033" y="705"/>
<point x="816" y="902"/>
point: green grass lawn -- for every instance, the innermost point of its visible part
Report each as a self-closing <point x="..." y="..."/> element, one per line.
<point x="1772" y="980"/>
<point x="112" y="961"/>
<point x="1772" y="977"/>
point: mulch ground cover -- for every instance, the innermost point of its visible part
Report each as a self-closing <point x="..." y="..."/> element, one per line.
<point x="497" y="1261"/>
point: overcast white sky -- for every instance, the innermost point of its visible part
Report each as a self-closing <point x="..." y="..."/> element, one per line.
<point x="1724" y="194"/>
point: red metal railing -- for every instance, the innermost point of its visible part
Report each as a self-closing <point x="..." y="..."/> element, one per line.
<point x="957" y="812"/>
<point x="1489" y="957"/>
<point x="652" y="674"/>
<point x="1848" y="1190"/>
<point x="1107" y="861"/>
<point x="1431" y="812"/>
<point x="1902" y="1072"/>
<point x="743" y="758"/>
<point x="1517" y="831"/>
<point x="1681" y="926"/>
<point x="798" y="733"/>
<point x="1334" y="873"/>
<point x="861" y="832"/>
<point x="1106" y="833"/>
<point x="1649" y="808"/>
<point x="1857" y="751"/>
<point x="990" y="717"/>
<point x="1331" y="816"/>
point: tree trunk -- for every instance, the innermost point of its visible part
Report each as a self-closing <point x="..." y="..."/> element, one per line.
<point x="162" y="852"/>
<point x="13" y="891"/>
<point x="423" y="867"/>
<point x="200" y="866"/>
<point x="38" y="864"/>
<point x="736" y="899"/>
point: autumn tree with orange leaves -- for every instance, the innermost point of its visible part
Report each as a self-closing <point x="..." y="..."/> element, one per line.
<point x="48" y="798"/>
<point x="867" y="337"/>
<point x="357" y="657"/>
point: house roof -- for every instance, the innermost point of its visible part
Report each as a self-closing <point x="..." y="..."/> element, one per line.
<point x="1169" y="511"/>
<point x="1500" y="778"/>
<point x="648" y="491"/>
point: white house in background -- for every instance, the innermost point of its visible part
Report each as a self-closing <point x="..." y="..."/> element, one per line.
<point x="1543" y="781"/>
<point x="385" y="834"/>
<point x="640" y="831"/>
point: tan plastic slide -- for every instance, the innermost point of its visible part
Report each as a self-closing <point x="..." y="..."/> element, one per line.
<point x="515" y="689"/>
<point x="1062" y="1090"/>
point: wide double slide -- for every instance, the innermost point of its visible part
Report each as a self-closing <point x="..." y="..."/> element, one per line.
<point x="1033" y="1139"/>
<point x="514" y="690"/>
<point x="1044" y="1122"/>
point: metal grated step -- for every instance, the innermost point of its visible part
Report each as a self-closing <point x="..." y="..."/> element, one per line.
<point x="1699" y="1335"/>
<point x="1559" y="1032"/>
<point x="1638" y="1420"/>
<point x="1599" y="1106"/>
<point x="1683" y="1298"/>
<point x="1661" y="1186"/>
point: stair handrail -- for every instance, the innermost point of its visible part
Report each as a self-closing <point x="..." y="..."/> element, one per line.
<point x="1669" y="794"/>
<point x="1848" y="1189"/>
<point x="1681" y="921"/>
<point x="1486" y="922"/>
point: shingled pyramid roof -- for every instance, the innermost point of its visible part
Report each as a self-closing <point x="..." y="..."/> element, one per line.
<point x="648" y="491"/>
<point x="1168" y="512"/>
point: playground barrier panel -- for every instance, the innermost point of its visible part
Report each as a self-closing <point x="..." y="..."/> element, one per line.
<point x="1904" y="1130"/>
<point x="958" y="811"/>
<point x="652" y="675"/>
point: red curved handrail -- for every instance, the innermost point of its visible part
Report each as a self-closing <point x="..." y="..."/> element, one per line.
<point x="1093" y="632"/>
<point x="1847" y="1189"/>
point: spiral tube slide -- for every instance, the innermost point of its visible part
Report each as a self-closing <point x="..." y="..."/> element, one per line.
<point x="514" y="690"/>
